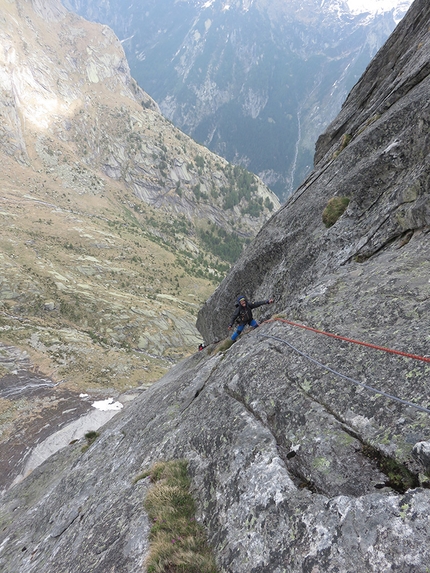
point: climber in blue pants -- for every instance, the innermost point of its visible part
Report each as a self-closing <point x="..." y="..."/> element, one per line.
<point x="243" y="315"/>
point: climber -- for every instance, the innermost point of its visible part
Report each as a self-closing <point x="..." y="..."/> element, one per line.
<point x="243" y="315"/>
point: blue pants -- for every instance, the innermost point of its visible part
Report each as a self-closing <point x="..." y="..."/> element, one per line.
<point x="239" y="329"/>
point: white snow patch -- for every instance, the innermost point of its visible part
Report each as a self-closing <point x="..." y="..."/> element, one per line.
<point x="105" y="405"/>
<point x="83" y="395"/>
<point x="126" y="39"/>
<point x="376" y="6"/>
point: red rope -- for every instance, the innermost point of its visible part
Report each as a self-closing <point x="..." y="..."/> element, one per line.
<point x="368" y="344"/>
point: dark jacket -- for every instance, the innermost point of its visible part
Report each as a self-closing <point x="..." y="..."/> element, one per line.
<point x="243" y="314"/>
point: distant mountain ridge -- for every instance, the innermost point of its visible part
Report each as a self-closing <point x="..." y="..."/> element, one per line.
<point x="255" y="81"/>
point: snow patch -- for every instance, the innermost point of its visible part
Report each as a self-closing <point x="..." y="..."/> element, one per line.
<point x="105" y="405"/>
<point x="376" y="6"/>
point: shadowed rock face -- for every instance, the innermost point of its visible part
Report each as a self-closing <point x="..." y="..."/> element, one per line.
<point x="283" y="451"/>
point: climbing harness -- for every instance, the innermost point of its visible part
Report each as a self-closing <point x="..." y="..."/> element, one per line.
<point x="357" y="382"/>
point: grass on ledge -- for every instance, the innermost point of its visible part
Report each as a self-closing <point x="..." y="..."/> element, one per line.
<point x="91" y="437"/>
<point x="177" y="542"/>
<point x="223" y="346"/>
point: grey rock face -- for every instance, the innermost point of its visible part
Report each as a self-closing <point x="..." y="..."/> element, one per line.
<point x="285" y="431"/>
<point x="384" y="172"/>
<point x="422" y="452"/>
<point x="237" y="419"/>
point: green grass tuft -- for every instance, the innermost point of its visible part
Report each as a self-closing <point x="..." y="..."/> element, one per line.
<point x="400" y="478"/>
<point x="177" y="542"/>
<point x="223" y="345"/>
<point x="334" y="209"/>
<point x="346" y="139"/>
<point x="91" y="437"/>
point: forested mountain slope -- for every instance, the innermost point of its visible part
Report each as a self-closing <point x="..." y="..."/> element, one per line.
<point x="255" y="81"/>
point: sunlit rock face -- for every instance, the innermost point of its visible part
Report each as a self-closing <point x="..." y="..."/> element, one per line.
<point x="68" y="79"/>
<point x="40" y="92"/>
<point x="307" y="452"/>
<point x="255" y="81"/>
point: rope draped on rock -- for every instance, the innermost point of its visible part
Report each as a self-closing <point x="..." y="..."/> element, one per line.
<point x="352" y="340"/>
<point x="357" y="382"/>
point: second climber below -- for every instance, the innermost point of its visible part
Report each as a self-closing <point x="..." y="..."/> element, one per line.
<point x="243" y="315"/>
